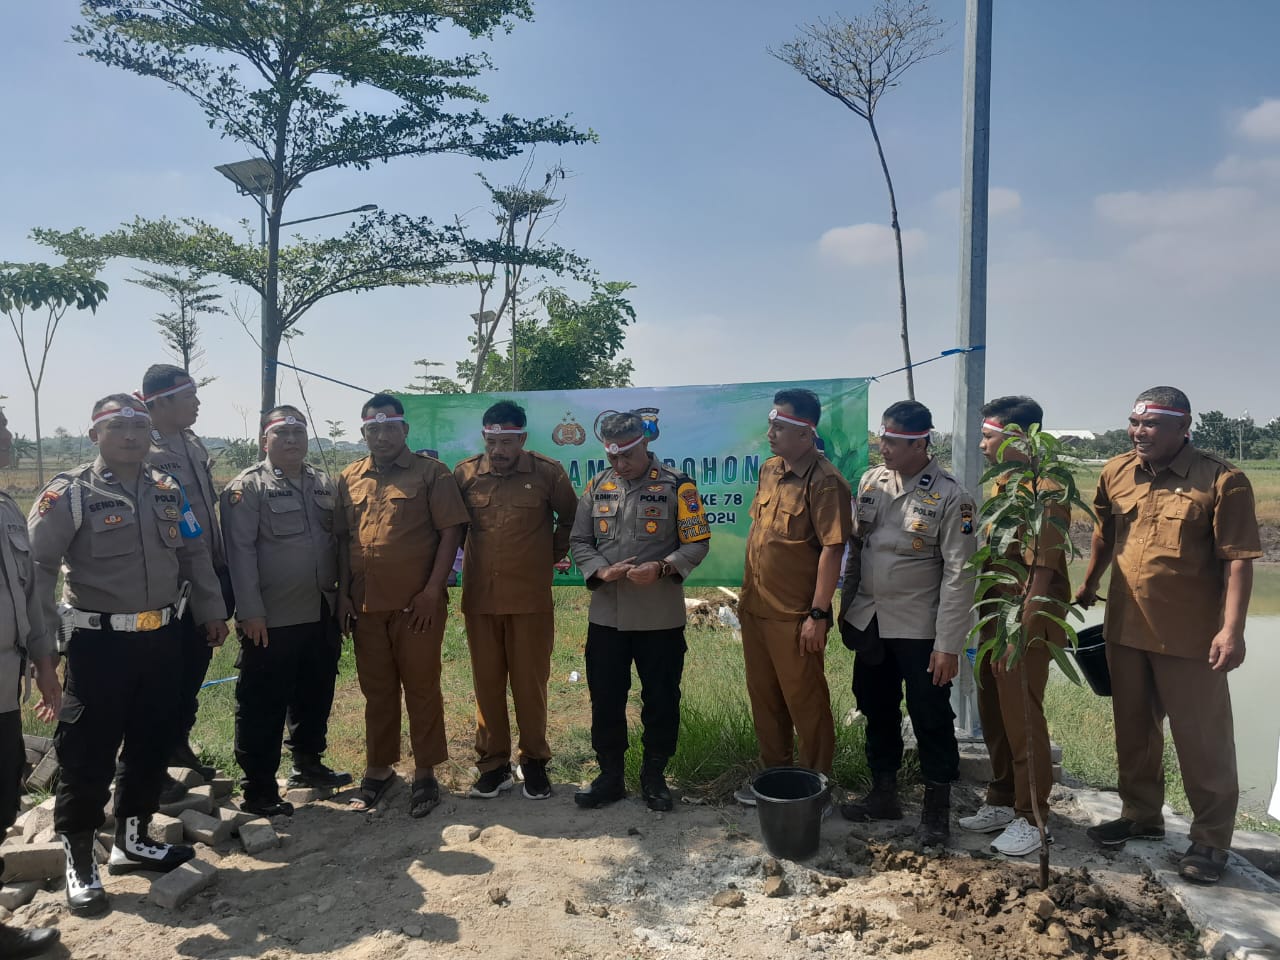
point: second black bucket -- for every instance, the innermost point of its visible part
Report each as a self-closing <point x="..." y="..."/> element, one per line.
<point x="790" y="801"/>
<point x="1091" y="658"/>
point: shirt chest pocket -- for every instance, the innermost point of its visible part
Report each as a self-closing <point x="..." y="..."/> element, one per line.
<point x="168" y="514"/>
<point x="918" y="537"/>
<point x="20" y="544"/>
<point x="1123" y="513"/>
<point x="604" y="508"/>
<point x="114" y="532"/>
<point x="653" y="521"/>
<point x="324" y="503"/>
<point x="1178" y="518"/>
<point x="285" y="516"/>
<point x="790" y="520"/>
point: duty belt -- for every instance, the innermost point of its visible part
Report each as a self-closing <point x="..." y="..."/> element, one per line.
<point x="121" y="622"/>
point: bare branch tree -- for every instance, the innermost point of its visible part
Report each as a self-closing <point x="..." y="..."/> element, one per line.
<point x="857" y="61"/>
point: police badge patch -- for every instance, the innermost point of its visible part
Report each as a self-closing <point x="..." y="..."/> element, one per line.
<point x="46" y="502"/>
<point x="234" y="497"/>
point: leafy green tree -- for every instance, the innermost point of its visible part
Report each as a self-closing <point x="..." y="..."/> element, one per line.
<point x="27" y="288"/>
<point x="576" y="346"/>
<point x="1036" y="482"/>
<point x="308" y="87"/>
<point x="857" y="61"/>
<point x="180" y="327"/>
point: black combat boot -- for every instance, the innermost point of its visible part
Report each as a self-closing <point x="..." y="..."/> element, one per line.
<point x="935" y="815"/>
<point x="310" y="771"/>
<point x="653" y="785"/>
<point x="879" y="803"/>
<point x="85" y="896"/>
<point x="183" y="756"/>
<point x="15" y="943"/>
<point x="135" y="850"/>
<point x="607" y="788"/>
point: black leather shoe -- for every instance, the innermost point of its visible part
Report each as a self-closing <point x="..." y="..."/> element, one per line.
<point x="653" y="784"/>
<point x="935" y="815"/>
<point x="15" y="943"/>
<point x="879" y="803"/>
<point x="184" y="756"/>
<point x="605" y="789"/>
<point x="310" y="771"/>
<point x="172" y="791"/>
<point x="267" y="807"/>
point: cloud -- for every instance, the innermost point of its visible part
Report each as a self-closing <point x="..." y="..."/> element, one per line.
<point x="1001" y="201"/>
<point x="1262" y="122"/>
<point x="1162" y="209"/>
<point x="1238" y="169"/>
<point x="864" y="244"/>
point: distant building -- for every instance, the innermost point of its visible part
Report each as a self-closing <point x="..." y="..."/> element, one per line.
<point x="1072" y="436"/>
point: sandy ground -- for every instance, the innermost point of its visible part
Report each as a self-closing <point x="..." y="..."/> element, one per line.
<point x="518" y="878"/>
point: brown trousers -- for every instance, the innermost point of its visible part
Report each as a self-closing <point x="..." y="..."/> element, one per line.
<point x="788" y="692"/>
<point x="389" y="657"/>
<point x="1004" y="726"/>
<point x="513" y="648"/>
<point x="1145" y="688"/>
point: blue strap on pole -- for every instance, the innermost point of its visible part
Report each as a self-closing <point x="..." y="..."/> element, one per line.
<point x="214" y="683"/>
<point x="945" y="353"/>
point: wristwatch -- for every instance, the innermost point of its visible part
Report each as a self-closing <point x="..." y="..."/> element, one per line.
<point x="666" y="568"/>
<point x="817" y="613"/>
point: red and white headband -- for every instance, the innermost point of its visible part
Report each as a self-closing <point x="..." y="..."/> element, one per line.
<point x="123" y="413"/>
<point x="286" y="421"/>
<point x="616" y="448"/>
<point x="882" y="432"/>
<point x="497" y="430"/>
<point x="383" y="418"/>
<point x="166" y="392"/>
<point x="776" y="414"/>
<point x="1013" y="430"/>
<point x="1142" y="407"/>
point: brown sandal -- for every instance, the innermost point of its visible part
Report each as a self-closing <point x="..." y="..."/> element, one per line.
<point x="370" y="793"/>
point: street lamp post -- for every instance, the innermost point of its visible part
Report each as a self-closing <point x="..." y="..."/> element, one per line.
<point x="256" y="178"/>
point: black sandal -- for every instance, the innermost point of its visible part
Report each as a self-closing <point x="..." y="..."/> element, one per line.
<point x="424" y="797"/>
<point x="370" y="793"/>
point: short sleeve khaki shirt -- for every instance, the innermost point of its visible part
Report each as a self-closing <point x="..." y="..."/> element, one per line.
<point x="520" y="525"/>
<point x="1172" y="533"/>
<point x="390" y="521"/>
<point x="796" y="512"/>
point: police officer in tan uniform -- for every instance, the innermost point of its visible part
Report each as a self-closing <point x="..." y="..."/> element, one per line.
<point x="799" y="525"/>
<point x="1177" y="527"/>
<point x="113" y="526"/>
<point x="522" y="507"/>
<point x="171" y="398"/>
<point x="24" y="645"/>
<point x="277" y="521"/>
<point x="906" y="612"/>
<point x="399" y="521"/>
<point x="638" y="533"/>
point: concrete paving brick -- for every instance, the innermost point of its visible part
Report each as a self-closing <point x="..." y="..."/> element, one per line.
<point x="235" y="816"/>
<point x="45" y="773"/>
<point x="37" y="819"/>
<point x="204" y="828"/>
<point x="167" y="829"/>
<point x="19" y="894"/>
<point x="171" y="890"/>
<point x="257" y="836"/>
<point x="300" y="795"/>
<point x="32" y="861"/>
<point x="192" y="801"/>
<point x="221" y="787"/>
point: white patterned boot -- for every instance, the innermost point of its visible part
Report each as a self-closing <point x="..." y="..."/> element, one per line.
<point x="135" y="850"/>
<point x="85" y="896"/>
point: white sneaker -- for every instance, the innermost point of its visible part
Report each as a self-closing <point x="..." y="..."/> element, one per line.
<point x="1019" y="839"/>
<point x="988" y="819"/>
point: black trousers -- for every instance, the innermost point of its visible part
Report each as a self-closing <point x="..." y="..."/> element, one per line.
<point x="878" y="690"/>
<point x="118" y="687"/>
<point x="659" y="659"/>
<point x="195" y="654"/>
<point x="288" y="684"/>
<point x="13" y="755"/>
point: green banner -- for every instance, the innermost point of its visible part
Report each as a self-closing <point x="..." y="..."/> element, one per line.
<point x="715" y="434"/>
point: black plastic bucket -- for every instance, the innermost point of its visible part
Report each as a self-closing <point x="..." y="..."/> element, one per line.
<point x="790" y="801"/>
<point x="1091" y="658"/>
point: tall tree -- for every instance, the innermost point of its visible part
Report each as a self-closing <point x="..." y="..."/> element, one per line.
<point x="180" y="327"/>
<point x="857" y="61"/>
<point x="576" y="346"/>
<point x="27" y="288"/>
<point x="303" y="104"/>
<point x="523" y="215"/>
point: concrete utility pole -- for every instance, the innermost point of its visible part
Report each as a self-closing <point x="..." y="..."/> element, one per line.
<point x="972" y="323"/>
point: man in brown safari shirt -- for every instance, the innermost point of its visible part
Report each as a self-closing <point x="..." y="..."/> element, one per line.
<point x="800" y="520"/>
<point x="1178" y="529"/>
<point x="522" y="507"/>
<point x="398" y="520"/>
